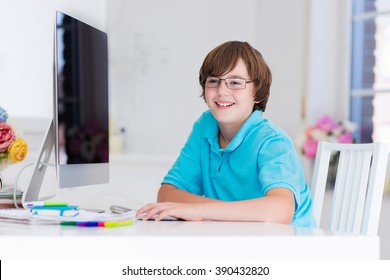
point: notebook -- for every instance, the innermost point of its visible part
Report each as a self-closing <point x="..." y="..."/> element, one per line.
<point x="17" y="215"/>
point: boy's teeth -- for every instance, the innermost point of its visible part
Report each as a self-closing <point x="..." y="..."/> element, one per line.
<point x="225" y="104"/>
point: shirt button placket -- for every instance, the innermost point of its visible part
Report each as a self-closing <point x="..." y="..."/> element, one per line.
<point x="221" y="159"/>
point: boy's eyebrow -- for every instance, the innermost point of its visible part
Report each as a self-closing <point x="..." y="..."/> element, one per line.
<point x="235" y="76"/>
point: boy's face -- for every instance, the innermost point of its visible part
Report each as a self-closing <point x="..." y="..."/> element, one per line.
<point x="231" y="107"/>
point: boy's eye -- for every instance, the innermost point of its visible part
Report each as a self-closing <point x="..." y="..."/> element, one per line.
<point x="212" y="81"/>
<point x="236" y="82"/>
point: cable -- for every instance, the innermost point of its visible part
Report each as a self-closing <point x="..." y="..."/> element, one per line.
<point x="17" y="179"/>
<point x="16" y="183"/>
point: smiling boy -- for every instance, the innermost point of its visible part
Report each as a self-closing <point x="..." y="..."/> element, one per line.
<point x="235" y="165"/>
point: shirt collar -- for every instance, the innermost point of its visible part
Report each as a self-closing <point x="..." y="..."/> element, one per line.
<point x="211" y="131"/>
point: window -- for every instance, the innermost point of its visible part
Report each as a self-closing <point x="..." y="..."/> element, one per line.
<point x="370" y="72"/>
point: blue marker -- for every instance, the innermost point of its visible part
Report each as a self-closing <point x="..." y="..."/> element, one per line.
<point x="87" y="224"/>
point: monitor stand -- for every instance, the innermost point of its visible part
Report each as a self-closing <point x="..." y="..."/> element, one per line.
<point x="34" y="188"/>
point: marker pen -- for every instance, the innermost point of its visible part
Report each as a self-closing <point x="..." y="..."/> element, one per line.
<point x="46" y="203"/>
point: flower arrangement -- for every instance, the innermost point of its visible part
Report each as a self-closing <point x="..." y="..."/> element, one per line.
<point x="13" y="148"/>
<point x="326" y="129"/>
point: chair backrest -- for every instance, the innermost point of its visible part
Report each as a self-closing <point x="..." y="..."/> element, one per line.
<point x="358" y="189"/>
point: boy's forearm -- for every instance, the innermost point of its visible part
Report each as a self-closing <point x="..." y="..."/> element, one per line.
<point x="266" y="209"/>
<point x="169" y="193"/>
<point x="278" y="206"/>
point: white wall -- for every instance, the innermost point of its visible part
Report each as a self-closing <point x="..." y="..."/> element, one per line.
<point x="26" y="51"/>
<point x="156" y="49"/>
<point x="282" y="36"/>
<point x="327" y="79"/>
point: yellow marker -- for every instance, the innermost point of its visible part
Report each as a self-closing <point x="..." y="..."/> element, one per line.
<point x="118" y="223"/>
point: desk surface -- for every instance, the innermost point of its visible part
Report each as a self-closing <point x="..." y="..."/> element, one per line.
<point x="185" y="240"/>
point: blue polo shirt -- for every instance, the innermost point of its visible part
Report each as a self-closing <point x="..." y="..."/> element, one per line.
<point x="259" y="157"/>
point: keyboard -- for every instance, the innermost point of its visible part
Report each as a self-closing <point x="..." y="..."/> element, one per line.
<point x="22" y="216"/>
<point x="15" y="213"/>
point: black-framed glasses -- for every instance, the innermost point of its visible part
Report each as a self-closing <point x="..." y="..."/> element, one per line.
<point x="232" y="83"/>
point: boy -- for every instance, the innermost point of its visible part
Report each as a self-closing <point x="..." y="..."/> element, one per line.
<point x="235" y="165"/>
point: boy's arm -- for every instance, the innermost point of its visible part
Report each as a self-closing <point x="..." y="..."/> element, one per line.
<point x="278" y="206"/>
<point x="169" y="193"/>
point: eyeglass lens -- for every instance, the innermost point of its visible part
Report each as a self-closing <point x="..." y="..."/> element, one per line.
<point x="232" y="83"/>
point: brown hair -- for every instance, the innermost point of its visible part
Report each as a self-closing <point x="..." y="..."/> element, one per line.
<point x="224" y="58"/>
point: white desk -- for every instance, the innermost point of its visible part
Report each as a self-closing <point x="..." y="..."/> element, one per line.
<point x="183" y="240"/>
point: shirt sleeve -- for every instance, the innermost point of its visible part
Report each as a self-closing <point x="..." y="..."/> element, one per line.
<point x="186" y="173"/>
<point x="279" y="166"/>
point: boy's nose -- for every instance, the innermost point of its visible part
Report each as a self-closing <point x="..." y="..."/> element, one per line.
<point x="222" y="88"/>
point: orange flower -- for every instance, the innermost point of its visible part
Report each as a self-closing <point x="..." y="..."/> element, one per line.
<point x="17" y="151"/>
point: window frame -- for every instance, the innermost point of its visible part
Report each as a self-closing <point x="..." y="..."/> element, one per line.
<point x="363" y="94"/>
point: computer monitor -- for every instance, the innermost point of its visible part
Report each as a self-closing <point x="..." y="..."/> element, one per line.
<point x="79" y="132"/>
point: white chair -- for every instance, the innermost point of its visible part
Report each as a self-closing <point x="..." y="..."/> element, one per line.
<point x="358" y="190"/>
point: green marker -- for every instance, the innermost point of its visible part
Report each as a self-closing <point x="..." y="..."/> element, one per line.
<point x="68" y="223"/>
<point x="46" y="203"/>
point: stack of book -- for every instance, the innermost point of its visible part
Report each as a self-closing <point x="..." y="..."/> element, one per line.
<point x="7" y="198"/>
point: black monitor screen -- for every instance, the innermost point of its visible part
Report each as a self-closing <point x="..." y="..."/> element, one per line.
<point x="82" y="92"/>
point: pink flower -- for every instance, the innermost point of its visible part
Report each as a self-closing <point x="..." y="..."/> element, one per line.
<point x="326" y="129"/>
<point x="326" y="123"/>
<point x="345" y="138"/>
<point x="7" y="135"/>
<point x="310" y="148"/>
